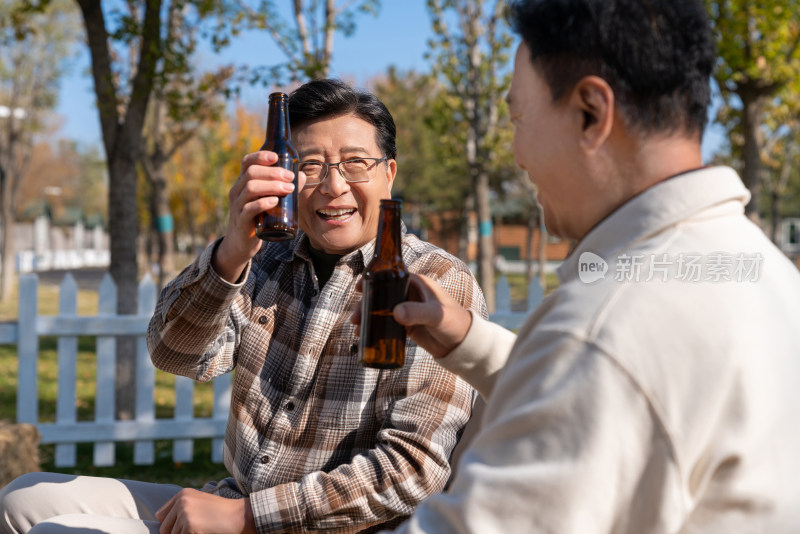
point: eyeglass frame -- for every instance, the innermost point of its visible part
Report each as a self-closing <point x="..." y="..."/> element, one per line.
<point x="328" y="166"/>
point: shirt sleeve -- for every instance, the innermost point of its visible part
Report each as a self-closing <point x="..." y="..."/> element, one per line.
<point x="194" y="331"/>
<point x="425" y="409"/>
<point x="568" y="442"/>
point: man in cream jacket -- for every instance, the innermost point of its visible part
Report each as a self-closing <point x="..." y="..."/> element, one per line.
<point x="656" y="390"/>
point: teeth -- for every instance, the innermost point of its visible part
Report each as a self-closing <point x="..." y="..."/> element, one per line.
<point x="335" y="212"/>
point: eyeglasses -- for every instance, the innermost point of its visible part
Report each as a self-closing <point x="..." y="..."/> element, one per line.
<point x="352" y="170"/>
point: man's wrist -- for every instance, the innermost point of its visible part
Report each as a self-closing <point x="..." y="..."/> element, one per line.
<point x="226" y="268"/>
<point x="249" y="518"/>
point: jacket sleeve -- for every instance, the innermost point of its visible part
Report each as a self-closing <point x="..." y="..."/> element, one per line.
<point x="424" y="409"/>
<point x="479" y="358"/>
<point x="196" y="327"/>
<point x="565" y="439"/>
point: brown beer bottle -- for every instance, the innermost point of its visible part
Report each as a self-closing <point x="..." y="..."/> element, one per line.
<point x="385" y="283"/>
<point x="280" y="222"/>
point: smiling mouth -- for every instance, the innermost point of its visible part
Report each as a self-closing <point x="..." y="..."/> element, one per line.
<point x="336" y="215"/>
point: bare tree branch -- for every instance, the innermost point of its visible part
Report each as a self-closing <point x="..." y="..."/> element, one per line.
<point x="271" y="28"/>
<point x="302" y="29"/>
<point x="330" y="27"/>
<point x="101" y="71"/>
<point x="143" y="81"/>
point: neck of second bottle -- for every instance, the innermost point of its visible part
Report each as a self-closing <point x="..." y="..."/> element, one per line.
<point x="388" y="245"/>
<point x="278" y="117"/>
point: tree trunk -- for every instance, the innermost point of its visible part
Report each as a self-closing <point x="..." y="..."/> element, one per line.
<point x="542" y="251"/>
<point x="463" y="232"/>
<point x="775" y="219"/>
<point x="8" y="251"/>
<point x="123" y="232"/>
<point x="187" y="212"/>
<point x="752" y="104"/>
<point x="529" y="234"/>
<point x="14" y="158"/>
<point x="778" y="188"/>
<point x="6" y="234"/>
<point x="162" y="217"/>
<point x="485" y="240"/>
<point x="122" y="140"/>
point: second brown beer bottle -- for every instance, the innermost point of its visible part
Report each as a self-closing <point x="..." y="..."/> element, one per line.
<point x="280" y="222"/>
<point x="385" y="284"/>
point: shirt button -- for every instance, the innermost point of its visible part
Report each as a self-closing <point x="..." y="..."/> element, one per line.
<point x="265" y="459"/>
<point x="289" y="406"/>
<point x="262" y="319"/>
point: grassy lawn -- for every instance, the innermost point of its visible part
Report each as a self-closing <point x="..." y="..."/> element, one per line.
<point x="519" y="286"/>
<point x="193" y="474"/>
<point x="48" y="302"/>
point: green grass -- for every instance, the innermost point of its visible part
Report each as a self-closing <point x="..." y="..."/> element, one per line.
<point x="519" y="286"/>
<point x="48" y="303"/>
<point x="164" y="471"/>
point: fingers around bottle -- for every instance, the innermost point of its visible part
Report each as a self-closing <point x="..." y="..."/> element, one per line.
<point x="355" y="317"/>
<point x="262" y="157"/>
<point x="269" y="182"/>
<point x="422" y="299"/>
<point x="257" y="168"/>
<point x="258" y="205"/>
<point x="262" y="182"/>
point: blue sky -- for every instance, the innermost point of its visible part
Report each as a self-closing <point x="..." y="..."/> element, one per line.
<point x="397" y="36"/>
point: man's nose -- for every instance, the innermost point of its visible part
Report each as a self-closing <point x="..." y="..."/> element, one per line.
<point x="335" y="184"/>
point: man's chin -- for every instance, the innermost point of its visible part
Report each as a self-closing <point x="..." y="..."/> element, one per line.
<point x="337" y="242"/>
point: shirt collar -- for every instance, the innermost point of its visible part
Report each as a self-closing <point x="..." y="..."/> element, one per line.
<point x="300" y="245"/>
<point x="657" y="208"/>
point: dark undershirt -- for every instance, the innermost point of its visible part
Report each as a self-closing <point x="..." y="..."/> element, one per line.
<point x="324" y="264"/>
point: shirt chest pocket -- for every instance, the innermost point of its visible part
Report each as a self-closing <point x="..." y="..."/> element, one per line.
<point x="344" y="391"/>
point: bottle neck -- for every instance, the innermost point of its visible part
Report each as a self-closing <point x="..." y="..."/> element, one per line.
<point x="389" y="243"/>
<point x="278" y="118"/>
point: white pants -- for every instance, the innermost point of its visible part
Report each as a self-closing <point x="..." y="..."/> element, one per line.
<point x="52" y="502"/>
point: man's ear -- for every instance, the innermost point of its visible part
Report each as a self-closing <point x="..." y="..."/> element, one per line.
<point x="391" y="172"/>
<point x="595" y="99"/>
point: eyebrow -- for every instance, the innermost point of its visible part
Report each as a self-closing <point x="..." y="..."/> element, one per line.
<point x="307" y="152"/>
<point x="318" y="150"/>
<point x="354" y="149"/>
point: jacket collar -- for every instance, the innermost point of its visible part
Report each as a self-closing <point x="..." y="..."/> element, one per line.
<point x="657" y="208"/>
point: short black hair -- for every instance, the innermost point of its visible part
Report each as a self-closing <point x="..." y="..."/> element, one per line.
<point x="319" y="99"/>
<point x="657" y="55"/>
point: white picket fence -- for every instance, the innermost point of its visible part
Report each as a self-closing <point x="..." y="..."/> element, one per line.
<point x="504" y="314"/>
<point x="29" y="261"/>
<point x="104" y="431"/>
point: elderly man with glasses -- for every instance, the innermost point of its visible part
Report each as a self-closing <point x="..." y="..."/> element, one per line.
<point x="314" y="440"/>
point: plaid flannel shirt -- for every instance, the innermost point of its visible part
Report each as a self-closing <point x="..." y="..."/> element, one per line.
<point x="316" y="441"/>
